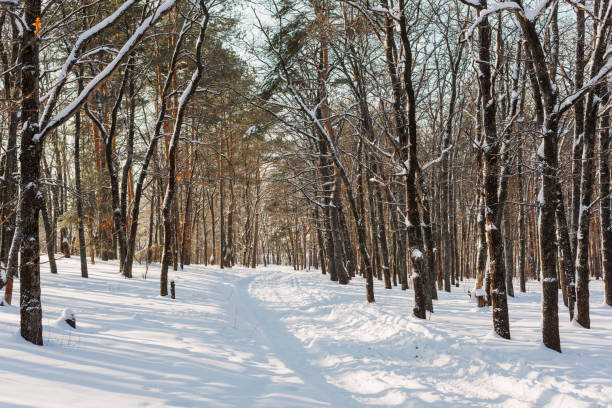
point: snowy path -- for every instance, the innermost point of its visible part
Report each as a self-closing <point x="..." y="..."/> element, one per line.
<point x="279" y="338"/>
<point x="386" y="358"/>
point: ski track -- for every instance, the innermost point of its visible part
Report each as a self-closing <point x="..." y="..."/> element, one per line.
<point x="274" y="337"/>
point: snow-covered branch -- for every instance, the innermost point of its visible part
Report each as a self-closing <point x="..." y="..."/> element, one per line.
<point x="54" y="92"/>
<point x="570" y="100"/>
<point x="99" y="79"/>
<point x="495" y="8"/>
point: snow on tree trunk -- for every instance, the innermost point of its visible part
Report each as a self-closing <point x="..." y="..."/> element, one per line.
<point x="491" y="148"/>
<point x="29" y="159"/>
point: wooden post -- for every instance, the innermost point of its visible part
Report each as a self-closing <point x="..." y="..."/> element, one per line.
<point x="8" y="290"/>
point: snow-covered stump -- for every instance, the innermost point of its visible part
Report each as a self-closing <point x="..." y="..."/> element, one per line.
<point x="480" y="297"/>
<point x="69" y="317"/>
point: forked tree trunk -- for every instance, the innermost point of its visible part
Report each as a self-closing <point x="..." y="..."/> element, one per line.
<point x="587" y="177"/>
<point x="109" y="137"/>
<point x="547" y="162"/>
<point x="491" y="149"/>
<point x="406" y="129"/>
<point x="408" y="145"/>
<point x="173" y="147"/>
<point x="161" y="117"/>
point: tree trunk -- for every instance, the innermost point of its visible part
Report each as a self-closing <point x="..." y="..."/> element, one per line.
<point x="406" y="129"/>
<point x="587" y="174"/>
<point x="49" y="235"/>
<point x="490" y="181"/>
<point x="376" y="263"/>
<point x="186" y="236"/>
<point x="319" y="241"/>
<point x="173" y="147"/>
<point x="77" y="182"/>
<point x="508" y="253"/>
<point x="382" y="237"/>
<point x="31" y="152"/>
<point x="127" y="167"/>
<point x="521" y="223"/>
<point x="222" y="244"/>
<point x="338" y="256"/>
<point x="151" y="150"/>
<point x="578" y="129"/>
<point x="604" y="206"/>
<point x="8" y="201"/>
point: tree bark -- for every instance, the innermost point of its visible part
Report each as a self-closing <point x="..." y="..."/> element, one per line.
<point x="547" y="161"/>
<point x="604" y="206"/>
<point x="579" y="62"/>
<point x="173" y="147"/>
<point x="77" y="182"/>
<point x="31" y="152"/>
<point x="491" y="149"/>
<point x="49" y="235"/>
<point x="161" y="117"/>
<point x="127" y="166"/>
<point x="406" y="130"/>
<point x="521" y="224"/>
<point x="587" y="174"/>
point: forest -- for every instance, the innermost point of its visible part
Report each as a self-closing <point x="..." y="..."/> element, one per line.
<point x="426" y="153"/>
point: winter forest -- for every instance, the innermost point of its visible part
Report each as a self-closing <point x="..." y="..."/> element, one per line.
<point x="318" y="203"/>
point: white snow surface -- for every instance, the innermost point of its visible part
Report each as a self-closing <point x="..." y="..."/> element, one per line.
<point x="274" y="337"/>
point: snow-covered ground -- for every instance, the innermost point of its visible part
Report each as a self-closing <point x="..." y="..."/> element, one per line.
<point x="278" y="338"/>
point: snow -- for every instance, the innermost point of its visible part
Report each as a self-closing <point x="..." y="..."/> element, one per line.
<point x="541" y="199"/>
<point x="570" y="100"/>
<point x="273" y="337"/>
<point x="490" y="227"/>
<point x="443" y="154"/>
<point x="493" y="8"/>
<point x="534" y="13"/>
<point x="61" y="321"/>
<point x="415" y="253"/>
<point x="541" y="150"/>
<point x="253" y="130"/>
<point x="480" y="292"/>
